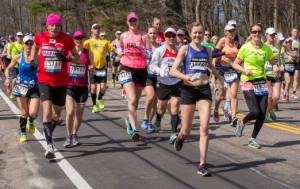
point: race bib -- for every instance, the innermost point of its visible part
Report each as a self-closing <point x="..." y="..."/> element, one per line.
<point x="77" y="70"/>
<point x="199" y="64"/>
<point x="101" y="73"/>
<point x="20" y="90"/>
<point x="290" y="67"/>
<point x="125" y="77"/>
<point x="260" y="88"/>
<point x="53" y="66"/>
<point x="230" y="76"/>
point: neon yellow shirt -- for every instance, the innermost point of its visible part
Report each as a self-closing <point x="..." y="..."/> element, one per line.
<point x="255" y="60"/>
<point x="99" y="47"/>
<point x="14" y="49"/>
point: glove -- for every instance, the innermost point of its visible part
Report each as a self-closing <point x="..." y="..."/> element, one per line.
<point x="195" y="77"/>
<point x="62" y="57"/>
<point x="33" y="64"/>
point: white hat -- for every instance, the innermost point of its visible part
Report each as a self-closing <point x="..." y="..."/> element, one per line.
<point x="289" y="39"/>
<point x="271" y="31"/>
<point x="27" y="38"/>
<point x="94" y="25"/>
<point x="232" y="22"/>
<point x="280" y="36"/>
<point x="20" y="34"/>
<point x="229" y="27"/>
<point x="172" y="30"/>
<point x="102" y="33"/>
<point x="118" y="32"/>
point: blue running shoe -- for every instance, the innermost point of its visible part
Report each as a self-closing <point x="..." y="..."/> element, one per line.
<point x="150" y="128"/>
<point x="128" y="125"/>
<point x="173" y="138"/>
<point x="144" y="125"/>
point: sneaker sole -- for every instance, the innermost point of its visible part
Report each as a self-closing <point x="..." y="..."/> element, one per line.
<point x="175" y="142"/>
<point x="204" y="175"/>
<point x="253" y="147"/>
<point x="49" y="155"/>
<point x="135" y="137"/>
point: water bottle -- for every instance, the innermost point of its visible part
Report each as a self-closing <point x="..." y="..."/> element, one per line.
<point x="196" y="76"/>
<point x="18" y="80"/>
<point x="31" y="84"/>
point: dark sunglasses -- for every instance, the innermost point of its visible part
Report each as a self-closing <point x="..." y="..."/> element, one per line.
<point x="180" y="35"/>
<point x="170" y="35"/>
<point x="28" y="44"/>
<point x="20" y="36"/>
<point x="132" y="20"/>
<point x="207" y="34"/>
<point x="96" y="28"/>
<point x="78" y="38"/>
<point x="256" y="32"/>
<point x="273" y="35"/>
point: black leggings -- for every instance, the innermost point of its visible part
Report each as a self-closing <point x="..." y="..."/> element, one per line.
<point x="257" y="106"/>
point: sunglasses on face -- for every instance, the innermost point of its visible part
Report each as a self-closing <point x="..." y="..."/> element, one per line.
<point x="96" y="28"/>
<point x="207" y="34"/>
<point x="256" y="32"/>
<point x="102" y="35"/>
<point x="28" y="43"/>
<point x="170" y="35"/>
<point x="273" y="35"/>
<point x="132" y="20"/>
<point x="180" y="35"/>
<point x="20" y="36"/>
<point x="78" y="38"/>
<point x="233" y="30"/>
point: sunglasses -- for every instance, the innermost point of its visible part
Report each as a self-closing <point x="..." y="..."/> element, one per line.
<point x="78" y="38"/>
<point x="102" y="35"/>
<point x="207" y="34"/>
<point x="20" y="36"/>
<point x="256" y="32"/>
<point x="96" y="28"/>
<point x="233" y="30"/>
<point x="170" y="35"/>
<point x="28" y="44"/>
<point x="132" y="20"/>
<point x="180" y="35"/>
<point x="273" y="35"/>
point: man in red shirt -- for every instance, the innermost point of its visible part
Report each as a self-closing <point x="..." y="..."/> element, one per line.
<point x="54" y="47"/>
<point x="160" y="35"/>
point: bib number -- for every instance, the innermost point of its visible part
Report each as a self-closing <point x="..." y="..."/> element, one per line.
<point x="230" y="76"/>
<point x="20" y="90"/>
<point x="289" y="67"/>
<point x="77" y="70"/>
<point x="53" y="66"/>
<point x="260" y="88"/>
<point x="125" y="77"/>
<point x="101" y="73"/>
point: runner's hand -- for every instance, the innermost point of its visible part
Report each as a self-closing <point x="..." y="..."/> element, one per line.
<point x="33" y="64"/>
<point x="62" y="57"/>
<point x="7" y="82"/>
<point x="248" y="72"/>
<point x="276" y="70"/>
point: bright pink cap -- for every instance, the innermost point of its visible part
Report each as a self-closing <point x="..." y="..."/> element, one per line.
<point x="78" y="33"/>
<point x="132" y="15"/>
<point x="53" y="18"/>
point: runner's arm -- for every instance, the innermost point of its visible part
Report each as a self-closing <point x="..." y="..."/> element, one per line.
<point x="12" y="64"/>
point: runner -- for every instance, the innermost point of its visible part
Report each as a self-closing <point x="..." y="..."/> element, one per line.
<point x="116" y="59"/>
<point x="133" y="71"/>
<point x="168" y="87"/>
<point x="290" y="58"/>
<point x="296" y="48"/>
<point x="237" y="38"/>
<point x="180" y="38"/>
<point x="253" y="81"/>
<point x="77" y="91"/>
<point x="100" y="47"/>
<point x="26" y="89"/>
<point x="160" y="35"/>
<point x="150" y="89"/>
<point x="229" y="50"/>
<point x="206" y="40"/>
<point x="195" y="91"/>
<point x="53" y="46"/>
<point x="14" y="49"/>
<point x="274" y="82"/>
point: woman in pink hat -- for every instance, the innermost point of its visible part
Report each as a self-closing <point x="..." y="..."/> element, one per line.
<point x="133" y="71"/>
<point x="53" y="46"/>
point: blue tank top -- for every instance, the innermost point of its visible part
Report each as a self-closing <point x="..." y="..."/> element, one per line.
<point x="196" y="61"/>
<point x="26" y="75"/>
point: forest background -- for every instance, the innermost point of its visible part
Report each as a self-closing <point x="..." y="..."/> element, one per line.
<point x="30" y="15"/>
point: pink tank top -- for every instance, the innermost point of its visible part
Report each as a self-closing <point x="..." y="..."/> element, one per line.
<point x="134" y="51"/>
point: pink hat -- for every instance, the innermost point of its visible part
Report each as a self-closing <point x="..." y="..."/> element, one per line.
<point x="171" y="30"/>
<point x="78" y="33"/>
<point x="53" y="18"/>
<point x="132" y="15"/>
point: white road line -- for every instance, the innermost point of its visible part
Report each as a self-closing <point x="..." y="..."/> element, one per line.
<point x="67" y="168"/>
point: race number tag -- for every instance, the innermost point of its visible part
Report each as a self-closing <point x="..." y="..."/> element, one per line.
<point x="77" y="70"/>
<point x="53" y="66"/>
<point x="230" y="76"/>
<point x="20" y="90"/>
<point x="289" y="67"/>
<point x="125" y="77"/>
<point x="199" y="64"/>
<point x="101" y="73"/>
<point x="260" y="88"/>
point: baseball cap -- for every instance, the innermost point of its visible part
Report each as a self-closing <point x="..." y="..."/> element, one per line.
<point x="27" y="38"/>
<point x="11" y="36"/>
<point x="289" y="39"/>
<point x="118" y="32"/>
<point x="20" y="34"/>
<point x="102" y="33"/>
<point x="132" y="15"/>
<point x="172" y="30"/>
<point x="78" y="33"/>
<point x="180" y="32"/>
<point x="53" y="18"/>
<point x="280" y="36"/>
<point x="232" y="22"/>
<point x="229" y="27"/>
<point x="95" y="25"/>
<point x="271" y="31"/>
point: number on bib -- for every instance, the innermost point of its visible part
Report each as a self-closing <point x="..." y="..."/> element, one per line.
<point x="77" y="70"/>
<point x="289" y="67"/>
<point x="101" y="73"/>
<point x="52" y="66"/>
<point x="20" y="90"/>
<point x="230" y="76"/>
<point x="260" y="88"/>
<point x="125" y="77"/>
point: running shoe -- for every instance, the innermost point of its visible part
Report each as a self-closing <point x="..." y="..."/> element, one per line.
<point x="225" y="112"/>
<point x="101" y="105"/>
<point x="238" y="131"/>
<point x="254" y="144"/>
<point x="216" y="116"/>
<point x="144" y="125"/>
<point x="12" y="96"/>
<point x="172" y="139"/>
<point x="49" y="154"/>
<point x="268" y="118"/>
<point x="295" y="96"/>
<point x="285" y="97"/>
<point x="60" y="121"/>
<point x="157" y="126"/>
<point x="31" y="128"/>
<point x="276" y="107"/>
<point x="273" y="115"/>
<point x="178" y="143"/>
<point x="233" y="122"/>
<point x="203" y="170"/>
<point x="95" y="109"/>
<point x="128" y="126"/>
<point x="8" y="90"/>
<point x="150" y="128"/>
<point x="68" y="142"/>
<point x="125" y="98"/>
<point x="23" y="137"/>
<point x="135" y="136"/>
<point x="75" y="141"/>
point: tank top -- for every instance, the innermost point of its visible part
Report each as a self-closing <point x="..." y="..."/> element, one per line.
<point x="166" y="63"/>
<point x="134" y="51"/>
<point x="118" y="46"/>
<point x="269" y="67"/>
<point x="196" y="61"/>
<point x="26" y="75"/>
<point x="227" y="48"/>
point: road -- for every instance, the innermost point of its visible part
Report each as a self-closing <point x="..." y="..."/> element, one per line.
<point x="108" y="158"/>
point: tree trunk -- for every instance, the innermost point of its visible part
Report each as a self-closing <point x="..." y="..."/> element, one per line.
<point x="251" y="15"/>
<point x="197" y="7"/>
<point x="275" y="15"/>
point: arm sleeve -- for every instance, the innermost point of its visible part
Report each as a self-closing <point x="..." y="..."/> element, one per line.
<point x="153" y="66"/>
<point x="216" y="53"/>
